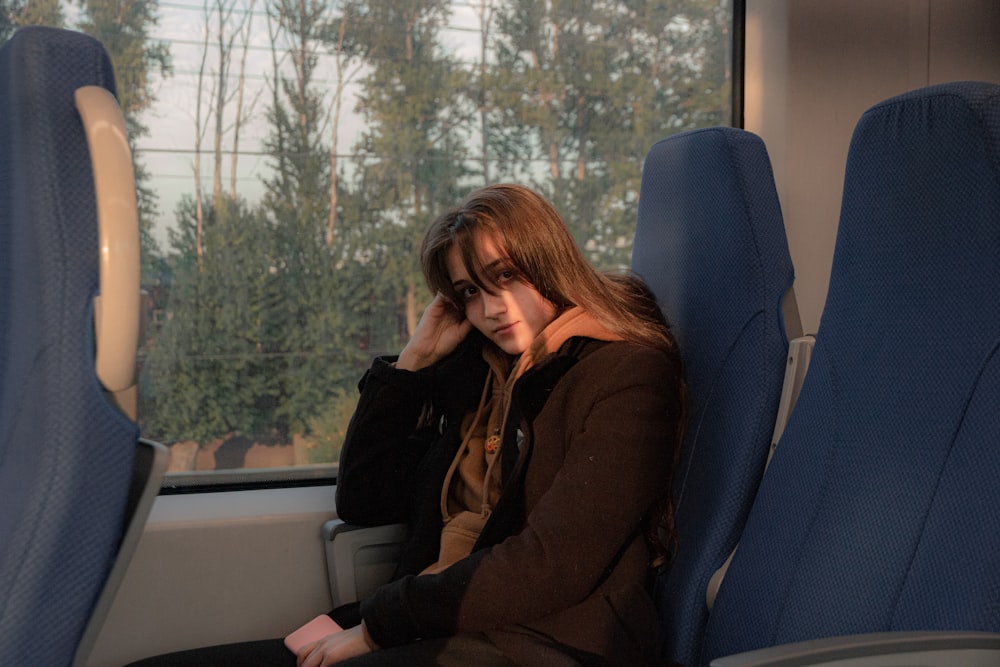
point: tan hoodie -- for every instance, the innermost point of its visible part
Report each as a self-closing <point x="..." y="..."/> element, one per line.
<point x="472" y="485"/>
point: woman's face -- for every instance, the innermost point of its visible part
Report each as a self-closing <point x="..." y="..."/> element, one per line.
<point x="515" y="314"/>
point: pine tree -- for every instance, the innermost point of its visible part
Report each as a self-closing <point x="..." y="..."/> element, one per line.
<point x="586" y="88"/>
<point x="209" y="368"/>
<point x="414" y="149"/>
<point x="317" y="338"/>
<point x="17" y="13"/>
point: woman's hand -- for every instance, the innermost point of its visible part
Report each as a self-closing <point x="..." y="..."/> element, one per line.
<point x="333" y="648"/>
<point x="441" y="328"/>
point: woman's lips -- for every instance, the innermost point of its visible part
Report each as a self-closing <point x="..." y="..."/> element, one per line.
<point x="504" y="329"/>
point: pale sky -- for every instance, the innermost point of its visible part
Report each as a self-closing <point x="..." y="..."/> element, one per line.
<point x="168" y="151"/>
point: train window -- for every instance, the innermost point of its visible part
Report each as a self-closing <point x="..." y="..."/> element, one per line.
<point x="290" y="154"/>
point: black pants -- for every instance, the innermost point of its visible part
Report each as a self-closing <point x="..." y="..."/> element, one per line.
<point x="457" y="651"/>
<point x="460" y="650"/>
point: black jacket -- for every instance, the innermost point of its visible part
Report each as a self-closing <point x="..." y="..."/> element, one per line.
<point x="562" y="560"/>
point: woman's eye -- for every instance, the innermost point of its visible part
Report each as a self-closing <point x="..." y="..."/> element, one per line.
<point x="504" y="276"/>
<point x="469" y="292"/>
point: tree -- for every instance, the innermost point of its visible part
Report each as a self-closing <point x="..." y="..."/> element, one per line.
<point x="17" y="13"/>
<point x="9" y="12"/>
<point x="200" y="128"/>
<point x="227" y="21"/>
<point x="485" y="12"/>
<point x="210" y="366"/>
<point x="587" y="88"/>
<point x="231" y="22"/>
<point x="315" y="324"/>
<point x="346" y="52"/>
<point x="268" y="337"/>
<point x="413" y="151"/>
<point x="243" y="111"/>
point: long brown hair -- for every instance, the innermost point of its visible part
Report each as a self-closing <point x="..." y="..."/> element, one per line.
<point x="541" y="249"/>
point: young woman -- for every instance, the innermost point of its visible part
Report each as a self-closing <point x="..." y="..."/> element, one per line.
<point x="527" y="433"/>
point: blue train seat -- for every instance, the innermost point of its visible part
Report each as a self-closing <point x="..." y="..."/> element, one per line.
<point x="73" y="473"/>
<point x="710" y="242"/>
<point x="879" y="512"/>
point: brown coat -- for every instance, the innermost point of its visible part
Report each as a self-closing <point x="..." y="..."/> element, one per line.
<point x="562" y="563"/>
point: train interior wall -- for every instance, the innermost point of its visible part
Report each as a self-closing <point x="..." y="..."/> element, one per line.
<point x="813" y="67"/>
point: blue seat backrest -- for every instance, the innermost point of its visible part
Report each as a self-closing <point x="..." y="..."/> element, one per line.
<point x="66" y="455"/>
<point x="711" y="244"/>
<point x="881" y="508"/>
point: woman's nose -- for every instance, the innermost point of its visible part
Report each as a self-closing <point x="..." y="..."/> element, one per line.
<point x="493" y="304"/>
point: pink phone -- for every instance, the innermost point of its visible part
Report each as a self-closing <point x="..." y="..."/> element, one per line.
<point x="314" y="630"/>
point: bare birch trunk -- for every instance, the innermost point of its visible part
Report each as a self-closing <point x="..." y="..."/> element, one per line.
<point x="331" y="222"/>
<point x="198" y="134"/>
<point x="220" y="102"/>
<point x="485" y="17"/>
<point x="239" y="101"/>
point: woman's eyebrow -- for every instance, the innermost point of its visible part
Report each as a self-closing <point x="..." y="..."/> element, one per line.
<point x="499" y="261"/>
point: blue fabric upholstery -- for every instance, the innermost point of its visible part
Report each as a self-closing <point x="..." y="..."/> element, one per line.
<point x="711" y="244"/>
<point x="880" y="510"/>
<point x="66" y="455"/>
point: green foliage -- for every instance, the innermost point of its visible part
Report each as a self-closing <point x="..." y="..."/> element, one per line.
<point x="329" y="428"/>
<point x="123" y="27"/>
<point x="586" y="88"/>
<point x="266" y="332"/>
<point x="413" y="151"/>
<point x="213" y="358"/>
<point x="17" y="13"/>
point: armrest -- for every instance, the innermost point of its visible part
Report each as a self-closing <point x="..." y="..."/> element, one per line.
<point x="359" y="560"/>
<point x="799" y="355"/>
<point x="147" y="476"/>
<point x="884" y="649"/>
